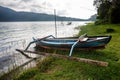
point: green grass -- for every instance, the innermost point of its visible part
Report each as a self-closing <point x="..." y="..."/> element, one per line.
<point x="59" y="69"/>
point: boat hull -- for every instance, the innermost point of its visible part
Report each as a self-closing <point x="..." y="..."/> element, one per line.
<point x="93" y="42"/>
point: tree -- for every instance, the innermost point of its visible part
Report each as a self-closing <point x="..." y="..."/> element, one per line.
<point x="115" y="12"/>
<point x="108" y="11"/>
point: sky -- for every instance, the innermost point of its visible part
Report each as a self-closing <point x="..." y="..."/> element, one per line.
<point x="71" y="8"/>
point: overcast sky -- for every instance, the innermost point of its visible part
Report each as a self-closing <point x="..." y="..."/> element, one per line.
<point x="71" y="8"/>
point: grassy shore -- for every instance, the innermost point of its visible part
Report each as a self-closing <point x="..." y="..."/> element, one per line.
<point x="59" y="69"/>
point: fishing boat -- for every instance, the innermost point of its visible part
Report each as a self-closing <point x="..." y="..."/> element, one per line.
<point x="66" y="43"/>
<point x="83" y="42"/>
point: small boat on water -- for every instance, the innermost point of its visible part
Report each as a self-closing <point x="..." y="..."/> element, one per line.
<point x="69" y="23"/>
<point x="83" y="42"/>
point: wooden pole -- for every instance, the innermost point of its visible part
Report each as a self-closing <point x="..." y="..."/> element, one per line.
<point x="55" y="23"/>
<point x="89" y="61"/>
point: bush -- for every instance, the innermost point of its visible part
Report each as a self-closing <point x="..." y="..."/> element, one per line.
<point x="109" y="30"/>
<point x="99" y="22"/>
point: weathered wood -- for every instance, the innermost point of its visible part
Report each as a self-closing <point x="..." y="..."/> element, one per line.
<point x="22" y="52"/>
<point x="89" y="61"/>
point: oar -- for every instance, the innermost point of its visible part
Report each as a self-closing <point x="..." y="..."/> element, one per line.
<point x="71" y="50"/>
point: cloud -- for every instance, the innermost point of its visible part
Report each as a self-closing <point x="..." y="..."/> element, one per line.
<point x="14" y="4"/>
<point x="62" y="12"/>
<point x="27" y="0"/>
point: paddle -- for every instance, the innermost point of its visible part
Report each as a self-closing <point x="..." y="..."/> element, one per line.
<point x="81" y="38"/>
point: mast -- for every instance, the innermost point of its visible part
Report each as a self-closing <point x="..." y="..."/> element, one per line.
<point x="55" y="23"/>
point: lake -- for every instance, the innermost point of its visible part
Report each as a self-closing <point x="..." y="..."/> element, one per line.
<point x="17" y="35"/>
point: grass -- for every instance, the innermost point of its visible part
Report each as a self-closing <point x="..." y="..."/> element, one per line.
<point x="59" y="69"/>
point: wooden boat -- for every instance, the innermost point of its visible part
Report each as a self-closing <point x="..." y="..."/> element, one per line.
<point x="83" y="42"/>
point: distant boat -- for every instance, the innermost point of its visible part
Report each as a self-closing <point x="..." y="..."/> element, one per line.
<point x="69" y="23"/>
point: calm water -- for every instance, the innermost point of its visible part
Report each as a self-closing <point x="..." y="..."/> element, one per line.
<point x="18" y="34"/>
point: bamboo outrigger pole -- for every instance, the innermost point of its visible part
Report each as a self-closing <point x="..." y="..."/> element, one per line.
<point x="89" y="61"/>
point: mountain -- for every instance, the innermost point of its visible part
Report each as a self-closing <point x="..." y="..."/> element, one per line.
<point x="93" y="17"/>
<point x="7" y="14"/>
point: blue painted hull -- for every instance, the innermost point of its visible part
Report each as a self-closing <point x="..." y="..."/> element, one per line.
<point x="92" y="42"/>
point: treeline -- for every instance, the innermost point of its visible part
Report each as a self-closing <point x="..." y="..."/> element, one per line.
<point x="108" y="11"/>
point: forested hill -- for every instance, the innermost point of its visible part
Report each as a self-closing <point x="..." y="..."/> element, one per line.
<point x="7" y="14"/>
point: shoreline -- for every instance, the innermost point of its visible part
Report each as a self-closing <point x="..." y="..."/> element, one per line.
<point x="56" y="68"/>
